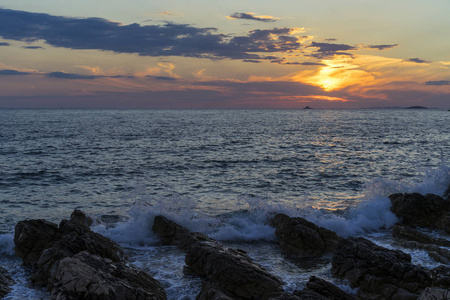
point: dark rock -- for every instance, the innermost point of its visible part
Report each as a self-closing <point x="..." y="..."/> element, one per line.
<point x="87" y="276"/>
<point x="412" y="234"/>
<point x="434" y="294"/>
<point x="416" y="209"/>
<point x="31" y="237"/>
<point x="301" y="237"/>
<point x="80" y="217"/>
<point x="378" y="272"/>
<point x="97" y="267"/>
<point x="5" y="282"/>
<point x="412" y="238"/>
<point x="325" y="289"/>
<point x="441" y="277"/>
<point x="212" y="292"/>
<point x="232" y="271"/>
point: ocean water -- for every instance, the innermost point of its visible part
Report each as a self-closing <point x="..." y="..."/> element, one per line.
<point x="221" y="172"/>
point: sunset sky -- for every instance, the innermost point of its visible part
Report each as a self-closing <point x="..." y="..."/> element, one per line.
<point x="224" y="54"/>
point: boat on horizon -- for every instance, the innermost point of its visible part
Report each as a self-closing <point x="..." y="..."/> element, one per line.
<point x="307" y="107"/>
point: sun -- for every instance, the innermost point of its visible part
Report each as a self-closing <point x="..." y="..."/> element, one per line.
<point x="329" y="83"/>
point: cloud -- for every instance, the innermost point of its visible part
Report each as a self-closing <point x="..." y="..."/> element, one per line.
<point x="417" y="60"/>
<point x="382" y="47"/>
<point x="4" y="44"/>
<point x="169" y="39"/>
<point x="326" y="50"/>
<point x="161" y="77"/>
<point x="63" y="75"/>
<point x="251" y="16"/>
<point x="12" y="73"/>
<point x="438" y="82"/>
<point x="330" y="40"/>
<point x="32" y="47"/>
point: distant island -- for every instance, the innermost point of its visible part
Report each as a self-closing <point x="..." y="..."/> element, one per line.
<point x="417" y="107"/>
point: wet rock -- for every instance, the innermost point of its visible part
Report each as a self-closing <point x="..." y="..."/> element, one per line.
<point x="441" y="277"/>
<point x="412" y="234"/>
<point x="80" y="217"/>
<point x="48" y="247"/>
<point x="87" y="276"/>
<point x="303" y="238"/>
<point x="232" y="271"/>
<point x="410" y="237"/>
<point x="5" y="282"/>
<point x="212" y="292"/>
<point x="31" y="237"/>
<point x="379" y="272"/>
<point x="423" y="210"/>
<point x="434" y="294"/>
<point x="317" y="287"/>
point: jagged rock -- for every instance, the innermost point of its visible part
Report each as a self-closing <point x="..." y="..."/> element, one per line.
<point x="441" y="277"/>
<point x="47" y="248"/>
<point x="416" y="209"/>
<point x="411" y="234"/>
<point x="230" y="269"/>
<point x="31" y="237"/>
<point x="317" y="287"/>
<point x="411" y="238"/>
<point x="434" y="294"/>
<point x="211" y="292"/>
<point x="171" y="233"/>
<point x="378" y="272"/>
<point x="5" y="282"/>
<point x="303" y="238"/>
<point x="87" y="276"/>
<point x="80" y="217"/>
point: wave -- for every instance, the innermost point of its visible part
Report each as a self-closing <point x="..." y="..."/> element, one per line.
<point x="249" y="221"/>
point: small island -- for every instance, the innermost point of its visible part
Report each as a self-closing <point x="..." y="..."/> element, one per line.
<point x="417" y="107"/>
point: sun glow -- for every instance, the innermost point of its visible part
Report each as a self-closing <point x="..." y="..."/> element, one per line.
<point x="336" y="74"/>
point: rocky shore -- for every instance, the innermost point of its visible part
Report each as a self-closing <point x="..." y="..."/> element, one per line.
<point x="73" y="262"/>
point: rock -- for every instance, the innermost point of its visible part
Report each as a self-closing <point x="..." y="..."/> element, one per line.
<point x="31" y="237"/>
<point x="434" y="294"/>
<point x="5" y="282"/>
<point x="416" y="209"/>
<point x="411" y="234"/>
<point x="80" y="217"/>
<point x="303" y="238"/>
<point x="412" y="238"/>
<point x="323" y="288"/>
<point x="211" y="292"/>
<point x="87" y="276"/>
<point x="74" y="262"/>
<point x="231" y="270"/>
<point x="378" y="272"/>
<point x="441" y="277"/>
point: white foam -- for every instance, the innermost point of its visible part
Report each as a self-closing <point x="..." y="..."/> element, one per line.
<point x="7" y="244"/>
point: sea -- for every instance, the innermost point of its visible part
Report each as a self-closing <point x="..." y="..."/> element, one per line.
<point x="221" y="172"/>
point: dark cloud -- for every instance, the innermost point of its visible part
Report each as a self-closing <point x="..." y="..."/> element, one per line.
<point x="382" y="47"/>
<point x="417" y="60"/>
<point x="252" y="60"/>
<point x="251" y="16"/>
<point x="330" y="40"/>
<point x="4" y="44"/>
<point x="327" y="49"/>
<point x="12" y="73"/>
<point x="283" y="61"/>
<point x="63" y="75"/>
<point x="33" y="47"/>
<point x="161" y="77"/>
<point x="438" y="82"/>
<point x="150" y="40"/>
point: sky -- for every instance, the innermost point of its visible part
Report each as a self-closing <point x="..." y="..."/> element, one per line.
<point x="224" y="54"/>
